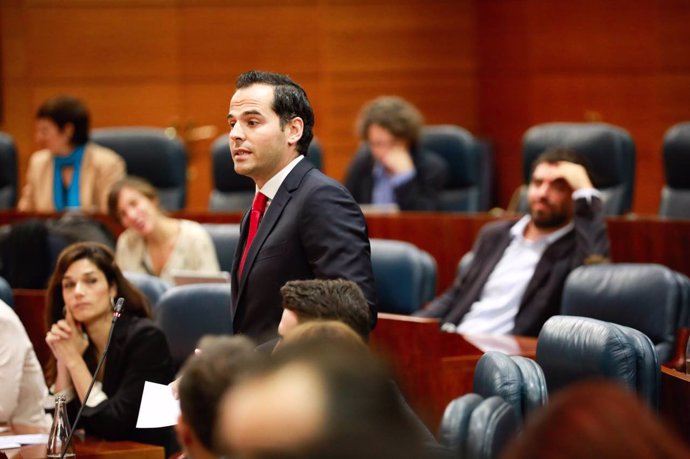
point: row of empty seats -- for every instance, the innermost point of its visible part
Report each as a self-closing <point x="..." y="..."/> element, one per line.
<point x="507" y="390"/>
<point x="151" y="154"/>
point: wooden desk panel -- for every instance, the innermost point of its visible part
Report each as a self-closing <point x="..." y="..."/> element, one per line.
<point x="447" y="236"/>
<point x="675" y="401"/>
<point x="29" y="306"/>
<point x="434" y="367"/>
<point x="94" y="448"/>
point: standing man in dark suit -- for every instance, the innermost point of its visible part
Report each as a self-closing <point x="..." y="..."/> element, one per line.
<point x="303" y="225"/>
<point x="515" y="281"/>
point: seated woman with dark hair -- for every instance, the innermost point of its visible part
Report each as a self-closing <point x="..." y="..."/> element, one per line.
<point x="152" y="242"/>
<point x="80" y="300"/>
<point x="70" y="172"/>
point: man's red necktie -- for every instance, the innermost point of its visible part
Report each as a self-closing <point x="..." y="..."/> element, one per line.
<point x="257" y="212"/>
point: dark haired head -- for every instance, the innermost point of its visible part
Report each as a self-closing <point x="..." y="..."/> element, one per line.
<point x="289" y="101"/>
<point x="104" y="259"/>
<point x="207" y="375"/>
<point x="554" y="155"/>
<point x="135" y="183"/>
<point x="64" y="110"/>
<point x="328" y="299"/>
<point x="395" y="115"/>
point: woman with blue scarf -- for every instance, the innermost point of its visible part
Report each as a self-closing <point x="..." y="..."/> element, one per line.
<point x="69" y="173"/>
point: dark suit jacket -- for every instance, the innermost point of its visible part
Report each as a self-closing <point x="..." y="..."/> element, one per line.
<point x="542" y="298"/>
<point x="138" y="352"/>
<point x="420" y="193"/>
<point x="311" y="229"/>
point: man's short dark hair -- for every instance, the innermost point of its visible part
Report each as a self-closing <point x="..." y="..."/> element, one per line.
<point x="289" y="101"/>
<point x="554" y="155"/>
<point x="328" y="299"/>
<point x="207" y="375"/>
<point x="63" y="110"/>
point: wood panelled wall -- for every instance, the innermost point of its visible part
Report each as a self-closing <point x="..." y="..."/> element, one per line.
<point x="495" y="67"/>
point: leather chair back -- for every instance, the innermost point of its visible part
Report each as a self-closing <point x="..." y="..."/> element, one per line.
<point x="647" y="297"/>
<point x="225" y="237"/>
<point x="402" y="275"/>
<point x="517" y="380"/>
<point x="151" y="286"/>
<point x="429" y="275"/>
<point x="8" y="172"/>
<point x="675" y="196"/>
<point x="188" y="312"/>
<point x="478" y="428"/>
<point x="609" y="150"/>
<point x="232" y="192"/>
<point x="571" y="349"/>
<point x="153" y="156"/>
<point x="6" y="293"/>
<point x="469" y="162"/>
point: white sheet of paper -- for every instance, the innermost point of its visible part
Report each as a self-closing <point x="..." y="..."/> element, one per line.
<point x="12" y="441"/>
<point x="158" y="407"/>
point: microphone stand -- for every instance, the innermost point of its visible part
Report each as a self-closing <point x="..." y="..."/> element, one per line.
<point x="116" y="314"/>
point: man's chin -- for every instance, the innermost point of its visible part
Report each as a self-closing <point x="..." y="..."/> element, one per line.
<point x="549" y="221"/>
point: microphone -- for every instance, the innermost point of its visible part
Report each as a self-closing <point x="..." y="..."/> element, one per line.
<point x="117" y="312"/>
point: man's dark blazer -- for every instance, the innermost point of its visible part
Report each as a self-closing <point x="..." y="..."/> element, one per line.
<point x="542" y="298"/>
<point x="312" y="229"/>
<point x="420" y="193"/>
<point x="138" y="352"/>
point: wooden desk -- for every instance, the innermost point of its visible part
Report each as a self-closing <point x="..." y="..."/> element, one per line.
<point x="675" y="401"/>
<point x="434" y="367"/>
<point x="447" y="236"/>
<point x="94" y="448"/>
<point x="29" y="306"/>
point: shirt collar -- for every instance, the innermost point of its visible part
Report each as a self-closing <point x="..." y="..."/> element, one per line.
<point x="518" y="230"/>
<point x="270" y="188"/>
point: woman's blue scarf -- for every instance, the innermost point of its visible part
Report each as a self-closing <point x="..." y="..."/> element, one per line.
<point x="66" y="197"/>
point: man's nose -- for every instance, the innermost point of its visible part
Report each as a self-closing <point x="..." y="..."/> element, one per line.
<point x="543" y="189"/>
<point x="236" y="132"/>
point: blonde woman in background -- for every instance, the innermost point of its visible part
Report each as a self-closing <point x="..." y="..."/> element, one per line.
<point x="152" y="242"/>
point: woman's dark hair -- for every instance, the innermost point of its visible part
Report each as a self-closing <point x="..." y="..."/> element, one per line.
<point x="104" y="259"/>
<point x="63" y="110"/>
<point x="135" y="183"/>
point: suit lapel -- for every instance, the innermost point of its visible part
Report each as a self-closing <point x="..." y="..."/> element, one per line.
<point x="244" y="230"/>
<point x="546" y="264"/>
<point x="271" y="217"/>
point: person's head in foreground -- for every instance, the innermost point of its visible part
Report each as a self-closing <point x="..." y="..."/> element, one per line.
<point x="206" y="376"/>
<point x="324" y="395"/>
<point x="595" y="419"/>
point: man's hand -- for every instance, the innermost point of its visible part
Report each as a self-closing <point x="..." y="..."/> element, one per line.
<point x="574" y="174"/>
<point x="398" y="159"/>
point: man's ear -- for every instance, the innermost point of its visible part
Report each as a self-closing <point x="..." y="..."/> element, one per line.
<point x="295" y="129"/>
<point x="184" y="433"/>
